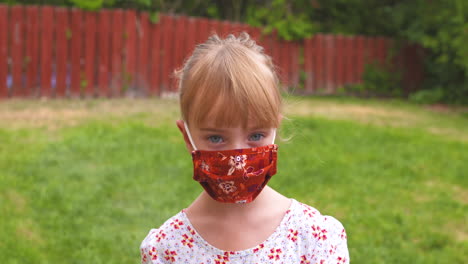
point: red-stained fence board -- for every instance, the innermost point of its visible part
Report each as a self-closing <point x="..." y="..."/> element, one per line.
<point x="308" y="65"/>
<point x="382" y="50"/>
<point x="130" y="42"/>
<point x="203" y="29"/>
<point x="116" y="55"/>
<point x="17" y="39"/>
<point x="225" y="29"/>
<point x="47" y="24"/>
<point x="155" y="76"/>
<point x="32" y="49"/>
<point x="191" y="38"/>
<point x="3" y="51"/>
<point x="179" y="40"/>
<point x="76" y="51"/>
<point x="88" y="79"/>
<point x="360" y="55"/>
<point x="330" y="63"/>
<point x="62" y="33"/>
<point x="339" y="60"/>
<point x="319" y="66"/>
<point x="167" y="51"/>
<point x="103" y="52"/>
<point x="349" y="49"/>
<point x="213" y="26"/>
<point x="143" y="36"/>
<point x="295" y="67"/>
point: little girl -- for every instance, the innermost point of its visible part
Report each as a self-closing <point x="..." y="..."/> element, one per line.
<point x="230" y="104"/>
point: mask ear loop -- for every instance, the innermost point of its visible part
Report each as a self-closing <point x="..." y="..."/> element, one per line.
<point x="274" y="136"/>
<point x="189" y="136"/>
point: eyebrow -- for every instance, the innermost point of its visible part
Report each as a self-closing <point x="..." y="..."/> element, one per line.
<point x="224" y="130"/>
<point x="212" y="129"/>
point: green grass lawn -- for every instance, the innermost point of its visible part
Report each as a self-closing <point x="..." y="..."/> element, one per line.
<point x="84" y="181"/>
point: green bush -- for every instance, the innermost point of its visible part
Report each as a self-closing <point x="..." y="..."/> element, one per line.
<point x="427" y="96"/>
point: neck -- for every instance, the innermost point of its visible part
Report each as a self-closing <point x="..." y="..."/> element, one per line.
<point x="204" y="203"/>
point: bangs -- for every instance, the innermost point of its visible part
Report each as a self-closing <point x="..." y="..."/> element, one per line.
<point x="231" y="87"/>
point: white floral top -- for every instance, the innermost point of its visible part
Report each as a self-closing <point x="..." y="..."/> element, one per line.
<point x="304" y="236"/>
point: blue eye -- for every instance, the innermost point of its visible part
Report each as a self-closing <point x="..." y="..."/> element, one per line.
<point x="215" y="139"/>
<point x="256" y="137"/>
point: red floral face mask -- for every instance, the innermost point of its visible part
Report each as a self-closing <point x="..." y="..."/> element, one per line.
<point x="234" y="176"/>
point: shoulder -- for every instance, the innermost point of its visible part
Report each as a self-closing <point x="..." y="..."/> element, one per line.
<point x="157" y="245"/>
<point x="325" y="235"/>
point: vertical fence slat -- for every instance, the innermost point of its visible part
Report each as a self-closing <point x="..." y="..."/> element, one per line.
<point x="32" y="48"/>
<point x="130" y="40"/>
<point x="143" y="37"/>
<point x="295" y="66"/>
<point x="103" y="54"/>
<point x="340" y="61"/>
<point x="62" y="33"/>
<point x="308" y="65"/>
<point x="329" y="63"/>
<point x="166" y="24"/>
<point x="191" y="38"/>
<point x="155" y="64"/>
<point x="320" y="62"/>
<point x="16" y="45"/>
<point x="203" y="29"/>
<point x="75" y="52"/>
<point x="349" y="59"/>
<point x="179" y="42"/>
<point x="88" y="80"/>
<point x="116" y="54"/>
<point x="47" y="19"/>
<point x="360" y="55"/>
<point x="3" y="51"/>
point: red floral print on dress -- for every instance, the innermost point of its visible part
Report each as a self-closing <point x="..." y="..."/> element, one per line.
<point x="160" y="235"/>
<point x="222" y="259"/>
<point x="308" y="246"/>
<point x="341" y="260"/>
<point x="319" y="233"/>
<point x="153" y="253"/>
<point x="258" y="248"/>
<point x="304" y="260"/>
<point x="275" y="253"/>
<point x="177" y="224"/>
<point x="293" y="235"/>
<point x="170" y="255"/>
<point x="187" y="241"/>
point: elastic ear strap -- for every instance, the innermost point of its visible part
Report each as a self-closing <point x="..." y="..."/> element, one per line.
<point x="189" y="136"/>
<point x="274" y="136"/>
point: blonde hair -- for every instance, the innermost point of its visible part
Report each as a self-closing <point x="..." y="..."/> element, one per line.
<point x="231" y="81"/>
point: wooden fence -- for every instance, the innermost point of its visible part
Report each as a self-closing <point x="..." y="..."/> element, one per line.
<point x="57" y="52"/>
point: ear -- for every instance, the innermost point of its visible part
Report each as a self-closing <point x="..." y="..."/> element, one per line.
<point x="180" y="125"/>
